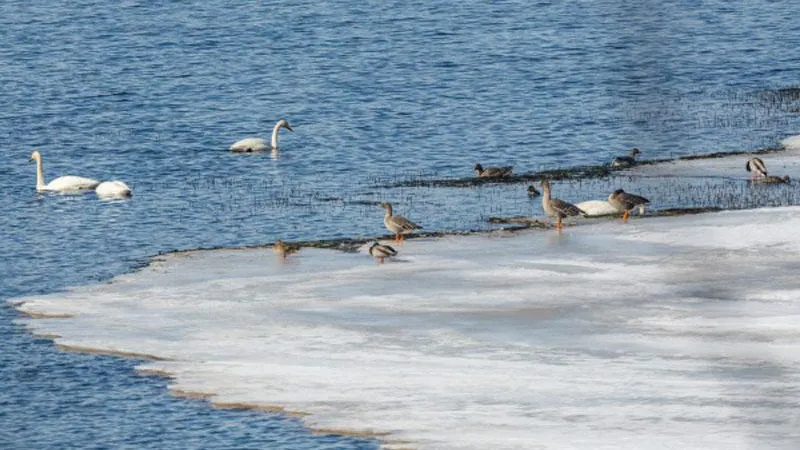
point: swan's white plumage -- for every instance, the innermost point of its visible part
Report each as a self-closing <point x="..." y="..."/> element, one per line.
<point x="597" y="208"/>
<point x="113" y="189"/>
<point x="249" y="145"/>
<point x="67" y="183"/>
<point x="257" y="144"/>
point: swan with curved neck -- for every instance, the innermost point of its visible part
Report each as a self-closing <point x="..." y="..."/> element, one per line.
<point x="66" y="183"/>
<point x="257" y="144"/>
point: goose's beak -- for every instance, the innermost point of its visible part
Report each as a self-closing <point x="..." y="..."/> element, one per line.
<point x="289" y="127"/>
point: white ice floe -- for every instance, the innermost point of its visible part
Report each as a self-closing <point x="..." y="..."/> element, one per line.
<point x="665" y="333"/>
<point x="791" y="142"/>
<point x="786" y="162"/>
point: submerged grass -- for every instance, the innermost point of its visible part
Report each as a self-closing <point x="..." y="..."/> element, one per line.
<point x="571" y="173"/>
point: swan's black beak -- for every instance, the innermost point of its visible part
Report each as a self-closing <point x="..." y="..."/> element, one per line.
<point x="289" y="127"/>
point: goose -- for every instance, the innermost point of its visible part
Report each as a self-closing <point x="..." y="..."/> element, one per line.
<point x="625" y="202"/>
<point x="398" y="225"/>
<point x="113" y="189"/>
<point x="756" y="168"/>
<point x="283" y="249"/>
<point x="381" y="251"/>
<point x="67" y="183"/>
<point x="257" y="144"/>
<point x="626" y="161"/>
<point x="492" y="172"/>
<point x="559" y="209"/>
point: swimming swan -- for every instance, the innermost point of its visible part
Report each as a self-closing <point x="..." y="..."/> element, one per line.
<point x="67" y="183"/>
<point x="257" y="144"/>
<point x="113" y="189"/>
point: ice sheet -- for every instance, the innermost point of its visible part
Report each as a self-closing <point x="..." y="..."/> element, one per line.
<point x="786" y="162"/>
<point x="674" y="332"/>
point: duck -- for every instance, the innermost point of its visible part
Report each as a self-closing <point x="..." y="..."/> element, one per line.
<point x="625" y="202"/>
<point x="67" y="183"/>
<point x="493" y="172"/>
<point x="398" y="225"/>
<point x="113" y="189"/>
<point x="381" y="251"/>
<point x="626" y="161"/>
<point x="559" y="209"/>
<point x="756" y="167"/>
<point x="776" y="180"/>
<point x="253" y="144"/>
<point x="533" y="192"/>
<point x="283" y="249"/>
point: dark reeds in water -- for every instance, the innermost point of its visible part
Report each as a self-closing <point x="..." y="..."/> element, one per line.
<point x="669" y="192"/>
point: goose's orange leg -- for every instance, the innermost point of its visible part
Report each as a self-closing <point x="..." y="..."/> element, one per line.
<point x="625" y="216"/>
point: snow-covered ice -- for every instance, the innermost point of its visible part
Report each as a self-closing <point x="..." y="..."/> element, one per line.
<point x="665" y="333"/>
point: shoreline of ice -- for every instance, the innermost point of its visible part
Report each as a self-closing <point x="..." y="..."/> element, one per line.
<point x="680" y="329"/>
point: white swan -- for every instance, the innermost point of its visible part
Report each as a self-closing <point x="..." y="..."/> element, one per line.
<point x="113" y="189"/>
<point x="598" y="208"/>
<point x="66" y="183"/>
<point x="258" y="144"/>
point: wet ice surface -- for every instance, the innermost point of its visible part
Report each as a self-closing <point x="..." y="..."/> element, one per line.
<point x="674" y="332"/>
<point x="691" y="183"/>
<point x="731" y="167"/>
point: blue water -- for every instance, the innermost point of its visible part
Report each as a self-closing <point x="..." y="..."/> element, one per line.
<point x="153" y="93"/>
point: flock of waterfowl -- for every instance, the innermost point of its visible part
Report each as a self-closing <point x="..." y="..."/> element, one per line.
<point x="618" y="202"/>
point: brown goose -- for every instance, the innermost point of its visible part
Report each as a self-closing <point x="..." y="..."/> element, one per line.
<point x="626" y="202"/>
<point x="756" y="167"/>
<point x="559" y="209"/>
<point x="380" y="251"/>
<point x="493" y="172"/>
<point x="283" y="249"/>
<point x="626" y="161"/>
<point x="398" y="225"/>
